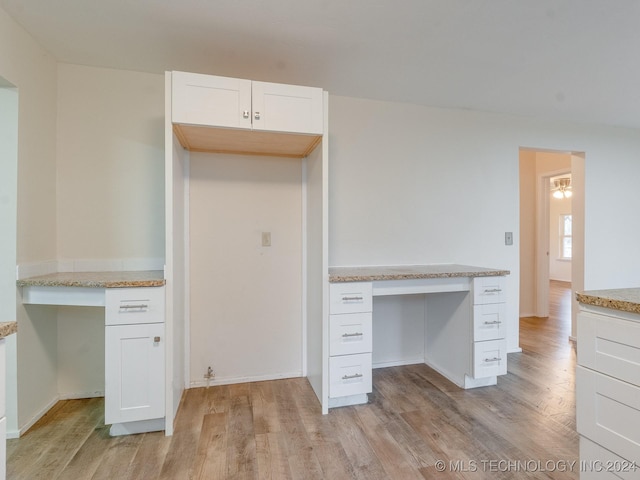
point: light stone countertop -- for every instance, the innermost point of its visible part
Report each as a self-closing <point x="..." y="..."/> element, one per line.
<point x="623" y="299"/>
<point x="148" y="278"/>
<point x="7" y="328"/>
<point x="409" y="272"/>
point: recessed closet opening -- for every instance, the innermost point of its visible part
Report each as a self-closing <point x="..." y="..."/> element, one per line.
<point x="245" y="267"/>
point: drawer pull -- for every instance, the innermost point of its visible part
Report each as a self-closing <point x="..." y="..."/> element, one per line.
<point x="355" y="375"/>
<point x="356" y="334"/>
<point x="352" y="299"/>
<point x="494" y="359"/>
<point x="494" y="322"/>
<point x="492" y="290"/>
<point x="156" y="339"/>
<point x="139" y="306"/>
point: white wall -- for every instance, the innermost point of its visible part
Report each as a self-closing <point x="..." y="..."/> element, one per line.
<point x="245" y="298"/>
<point x="8" y="198"/>
<point x="80" y="352"/>
<point x="411" y="184"/>
<point x="110" y="167"/>
<point x="32" y="70"/>
<point x="417" y="185"/>
<point x="102" y="201"/>
<point x="8" y="212"/>
<point x="110" y="202"/>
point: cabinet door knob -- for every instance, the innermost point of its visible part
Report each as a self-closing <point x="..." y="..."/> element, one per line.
<point x="245" y="114"/>
<point x="257" y="116"/>
<point x="156" y="339"/>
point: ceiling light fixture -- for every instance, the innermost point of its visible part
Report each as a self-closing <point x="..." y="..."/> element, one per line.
<point x="562" y="188"/>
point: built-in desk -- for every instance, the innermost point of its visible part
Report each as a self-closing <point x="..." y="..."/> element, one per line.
<point x="465" y="324"/>
<point x="83" y="288"/>
<point x="135" y="338"/>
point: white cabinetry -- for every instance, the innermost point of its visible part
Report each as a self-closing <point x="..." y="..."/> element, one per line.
<point x="134" y="357"/>
<point x="212" y="101"/>
<point x="236" y="103"/>
<point x="350" y="344"/>
<point x="210" y="114"/>
<point x="608" y="394"/>
<point x="465" y="315"/>
<point x="489" y="332"/>
<point x="231" y="115"/>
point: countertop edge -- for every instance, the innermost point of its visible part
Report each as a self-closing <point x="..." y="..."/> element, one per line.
<point x="8" y="328"/>
<point x="337" y="278"/>
<point x="90" y="284"/>
<point x="116" y="279"/>
<point x="611" y="303"/>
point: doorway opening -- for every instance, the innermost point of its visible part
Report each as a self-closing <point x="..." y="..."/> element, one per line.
<point x="551" y="231"/>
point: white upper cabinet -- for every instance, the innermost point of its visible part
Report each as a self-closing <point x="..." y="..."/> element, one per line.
<point x="214" y="101"/>
<point x="286" y="108"/>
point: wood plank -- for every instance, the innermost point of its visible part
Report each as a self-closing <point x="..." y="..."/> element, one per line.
<point x="245" y="142"/>
<point x="117" y="459"/>
<point x="56" y="439"/>
<point x="211" y="457"/>
<point x="150" y="456"/>
<point x="300" y="455"/>
<point x="241" y="444"/>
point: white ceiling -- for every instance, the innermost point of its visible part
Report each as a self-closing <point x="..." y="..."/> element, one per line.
<point x="573" y="60"/>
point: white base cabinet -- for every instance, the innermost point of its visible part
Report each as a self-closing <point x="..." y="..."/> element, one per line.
<point x="134" y="358"/>
<point x="608" y="394"/>
<point x="350" y="333"/>
<point x="474" y="329"/>
<point x="134" y="372"/>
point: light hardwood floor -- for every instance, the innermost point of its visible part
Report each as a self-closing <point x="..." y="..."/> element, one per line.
<point x="522" y="428"/>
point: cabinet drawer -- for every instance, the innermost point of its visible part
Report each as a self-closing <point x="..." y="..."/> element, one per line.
<point x="597" y="463"/>
<point x="349" y="375"/>
<point x="609" y="345"/>
<point x="350" y="297"/>
<point x="350" y="333"/>
<point x="608" y="411"/>
<point x="489" y="290"/>
<point x="127" y="306"/>
<point x="489" y="321"/>
<point x="489" y="358"/>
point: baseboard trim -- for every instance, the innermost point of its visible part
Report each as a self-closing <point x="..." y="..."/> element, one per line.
<point x="247" y="379"/>
<point x="399" y="363"/>
<point x="77" y="396"/>
<point x="23" y="429"/>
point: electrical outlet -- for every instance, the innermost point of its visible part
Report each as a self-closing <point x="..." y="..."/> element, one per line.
<point x="266" y="239"/>
<point x="508" y="238"/>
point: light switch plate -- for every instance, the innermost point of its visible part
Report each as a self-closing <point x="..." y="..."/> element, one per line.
<point x="508" y="238"/>
<point x="266" y="239"/>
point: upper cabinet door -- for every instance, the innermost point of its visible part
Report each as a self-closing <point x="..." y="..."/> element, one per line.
<point x="287" y="108"/>
<point x="210" y="100"/>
